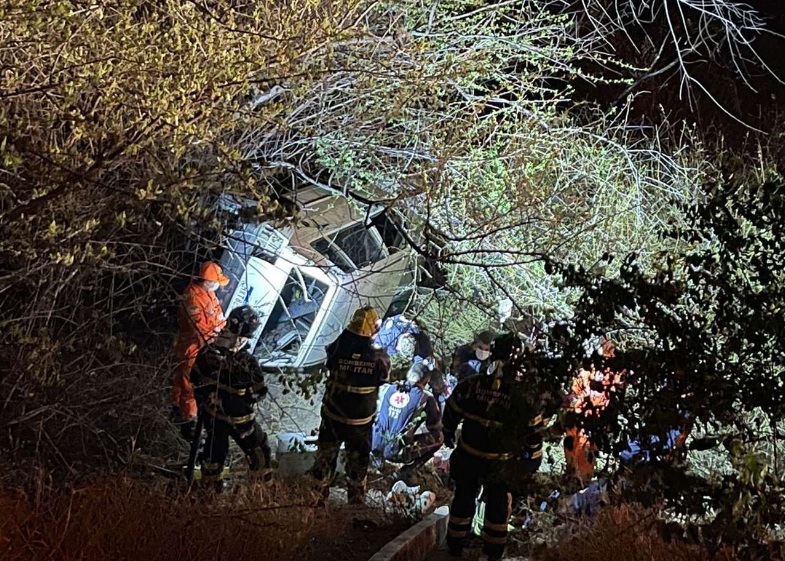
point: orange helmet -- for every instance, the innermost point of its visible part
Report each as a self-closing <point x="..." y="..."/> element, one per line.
<point x="212" y="271"/>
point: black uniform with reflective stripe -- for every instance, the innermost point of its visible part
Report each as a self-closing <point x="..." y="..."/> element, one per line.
<point x="227" y="384"/>
<point x="357" y="369"/>
<point x="500" y="421"/>
<point x="235" y="377"/>
<point x="500" y="447"/>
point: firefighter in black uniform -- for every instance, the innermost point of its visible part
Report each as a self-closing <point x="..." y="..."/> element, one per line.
<point x="357" y="369"/>
<point x="500" y="445"/>
<point x="227" y="384"/>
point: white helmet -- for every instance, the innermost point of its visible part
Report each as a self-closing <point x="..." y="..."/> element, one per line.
<point x="417" y="372"/>
<point x="405" y="345"/>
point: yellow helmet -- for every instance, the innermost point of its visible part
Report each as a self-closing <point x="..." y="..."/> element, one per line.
<point x="365" y="322"/>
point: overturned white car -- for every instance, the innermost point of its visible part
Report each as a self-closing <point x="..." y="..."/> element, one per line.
<point x="306" y="280"/>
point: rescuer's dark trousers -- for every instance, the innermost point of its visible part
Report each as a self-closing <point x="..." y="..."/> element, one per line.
<point x="469" y="474"/>
<point x="248" y="435"/>
<point x="357" y="440"/>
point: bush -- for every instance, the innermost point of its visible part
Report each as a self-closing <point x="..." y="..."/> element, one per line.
<point x="109" y="152"/>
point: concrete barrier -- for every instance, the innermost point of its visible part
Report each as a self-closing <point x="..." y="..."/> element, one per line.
<point x="295" y="454"/>
<point x="418" y="541"/>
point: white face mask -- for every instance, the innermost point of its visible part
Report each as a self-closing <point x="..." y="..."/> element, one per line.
<point x="212" y="285"/>
<point x="482" y="354"/>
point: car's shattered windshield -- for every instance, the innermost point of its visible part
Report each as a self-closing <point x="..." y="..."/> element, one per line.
<point x="292" y="317"/>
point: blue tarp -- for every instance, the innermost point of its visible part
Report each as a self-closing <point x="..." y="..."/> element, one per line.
<point x="391" y="330"/>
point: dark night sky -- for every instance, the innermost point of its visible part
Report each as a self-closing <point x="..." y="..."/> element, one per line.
<point x="758" y="108"/>
<point x="771" y="47"/>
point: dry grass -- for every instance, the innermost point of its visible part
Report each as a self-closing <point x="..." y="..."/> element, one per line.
<point x="123" y="518"/>
<point x="627" y="533"/>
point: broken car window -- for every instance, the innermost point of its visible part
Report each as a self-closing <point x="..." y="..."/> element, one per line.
<point x="292" y="317"/>
<point x="385" y="223"/>
<point x="355" y="245"/>
<point x="334" y="254"/>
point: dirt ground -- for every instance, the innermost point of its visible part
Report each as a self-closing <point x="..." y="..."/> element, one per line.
<point x="357" y="543"/>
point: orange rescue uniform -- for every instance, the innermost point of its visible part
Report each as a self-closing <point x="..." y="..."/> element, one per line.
<point x="200" y="317"/>
<point x="590" y="404"/>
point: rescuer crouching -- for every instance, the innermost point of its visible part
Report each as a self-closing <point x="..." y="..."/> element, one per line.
<point x="228" y="382"/>
<point x="500" y="442"/>
<point x="408" y="429"/>
<point x="356" y="371"/>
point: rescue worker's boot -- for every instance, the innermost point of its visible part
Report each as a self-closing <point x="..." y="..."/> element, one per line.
<point x="355" y="491"/>
<point x="458" y="535"/>
<point x="212" y="476"/>
<point x="211" y="482"/>
<point x="258" y="465"/>
<point x="492" y="552"/>
<point x="456" y="547"/>
<point x="218" y="486"/>
<point x="321" y="485"/>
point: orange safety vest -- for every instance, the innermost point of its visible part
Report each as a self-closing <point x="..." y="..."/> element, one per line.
<point x="200" y="316"/>
<point x="581" y="453"/>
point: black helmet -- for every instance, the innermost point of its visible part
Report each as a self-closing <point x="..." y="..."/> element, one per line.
<point x="506" y="347"/>
<point x="243" y="321"/>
